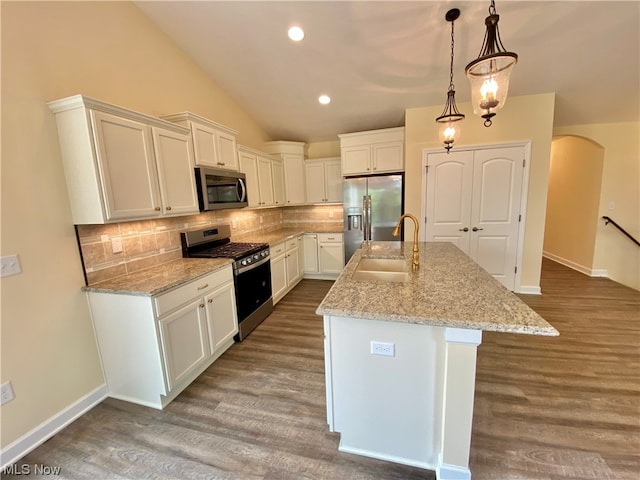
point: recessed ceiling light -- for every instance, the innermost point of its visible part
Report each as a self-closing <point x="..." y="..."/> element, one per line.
<point x="324" y="99"/>
<point x="296" y="33"/>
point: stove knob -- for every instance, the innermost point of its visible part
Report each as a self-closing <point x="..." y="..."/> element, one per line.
<point x="244" y="262"/>
<point x="256" y="257"/>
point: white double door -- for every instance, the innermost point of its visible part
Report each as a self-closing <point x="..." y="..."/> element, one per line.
<point x="473" y="199"/>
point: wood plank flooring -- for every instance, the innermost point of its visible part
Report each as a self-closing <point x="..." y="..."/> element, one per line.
<point x="565" y="407"/>
<point x="546" y="408"/>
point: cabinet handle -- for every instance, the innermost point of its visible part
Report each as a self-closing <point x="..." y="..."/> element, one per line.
<point x="475" y="229"/>
<point x="465" y="229"/>
<point x="157" y="209"/>
<point x="210" y="300"/>
<point x="168" y="208"/>
<point x="203" y="286"/>
<point x="202" y="305"/>
<point x="331" y="238"/>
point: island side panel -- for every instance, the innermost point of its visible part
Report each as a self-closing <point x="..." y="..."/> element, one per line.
<point x="459" y="393"/>
<point x="386" y="407"/>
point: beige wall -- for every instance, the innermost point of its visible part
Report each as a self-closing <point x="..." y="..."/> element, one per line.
<point x="575" y="176"/>
<point x="323" y="149"/>
<point x="110" y="51"/>
<point x="615" y="254"/>
<point x="527" y="118"/>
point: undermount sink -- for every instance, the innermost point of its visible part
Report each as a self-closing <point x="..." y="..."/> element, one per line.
<point x="382" y="270"/>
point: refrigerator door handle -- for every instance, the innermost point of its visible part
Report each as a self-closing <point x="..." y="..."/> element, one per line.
<point x="365" y="214"/>
<point x="369" y="214"/>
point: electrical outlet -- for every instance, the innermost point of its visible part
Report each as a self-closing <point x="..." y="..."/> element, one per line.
<point x="10" y="265"/>
<point x="6" y="393"/>
<point x="116" y="244"/>
<point x="383" y="348"/>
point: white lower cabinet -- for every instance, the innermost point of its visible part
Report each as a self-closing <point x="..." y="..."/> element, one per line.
<point x="286" y="267"/>
<point x="323" y="255"/>
<point x="153" y="347"/>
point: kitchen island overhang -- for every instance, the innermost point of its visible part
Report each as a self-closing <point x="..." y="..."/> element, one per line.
<point x="415" y="406"/>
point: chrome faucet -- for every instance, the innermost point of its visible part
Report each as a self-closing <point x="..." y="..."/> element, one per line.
<point x="415" y="264"/>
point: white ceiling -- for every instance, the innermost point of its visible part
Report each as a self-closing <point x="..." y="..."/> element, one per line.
<point x="377" y="58"/>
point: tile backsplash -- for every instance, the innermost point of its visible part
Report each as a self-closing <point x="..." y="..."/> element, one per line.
<point x="149" y="243"/>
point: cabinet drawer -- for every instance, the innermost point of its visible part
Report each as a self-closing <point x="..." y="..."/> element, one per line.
<point x="329" y="237"/>
<point x="291" y="244"/>
<point x="169" y="301"/>
<point x="277" y="249"/>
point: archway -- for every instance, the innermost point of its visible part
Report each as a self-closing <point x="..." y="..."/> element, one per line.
<point x="573" y="199"/>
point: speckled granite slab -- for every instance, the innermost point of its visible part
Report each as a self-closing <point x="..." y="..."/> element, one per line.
<point x="448" y="290"/>
<point x="279" y="235"/>
<point x="161" y="278"/>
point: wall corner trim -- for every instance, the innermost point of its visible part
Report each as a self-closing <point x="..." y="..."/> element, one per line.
<point x="47" y="429"/>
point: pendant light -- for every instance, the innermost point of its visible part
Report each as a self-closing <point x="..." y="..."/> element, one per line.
<point x="450" y="122"/>
<point x="489" y="73"/>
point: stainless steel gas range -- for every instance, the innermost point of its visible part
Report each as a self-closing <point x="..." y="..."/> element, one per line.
<point x="251" y="271"/>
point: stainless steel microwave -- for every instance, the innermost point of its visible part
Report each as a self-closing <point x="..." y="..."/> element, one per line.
<point x="219" y="189"/>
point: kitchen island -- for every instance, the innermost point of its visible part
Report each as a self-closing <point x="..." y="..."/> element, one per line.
<point x="400" y="353"/>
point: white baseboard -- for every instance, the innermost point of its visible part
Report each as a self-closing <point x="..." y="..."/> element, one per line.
<point x="382" y="456"/>
<point x="47" y="429"/>
<point x="452" y="472"/>
<point x="576" y="266"/>
<point x="530" y="289"/>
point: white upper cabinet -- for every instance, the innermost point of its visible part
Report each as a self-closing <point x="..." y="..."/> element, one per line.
<point x="277" y="174"/>
<point x="122" y="165"/>
<point x="214" y="144"/>
<point x="375" y="151"/>
<point x="264" y="177"/>
<point x="324" y="180"/>
<point x="292" y="155"/>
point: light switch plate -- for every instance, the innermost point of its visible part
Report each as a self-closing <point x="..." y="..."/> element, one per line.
<point x="10" y="265"/>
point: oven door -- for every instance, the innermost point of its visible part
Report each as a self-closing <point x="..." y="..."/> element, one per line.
<point x="253" y="288"/>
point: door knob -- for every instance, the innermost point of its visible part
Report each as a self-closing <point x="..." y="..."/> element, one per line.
<point x="475" y="229"/>
<point x="465" y="229"/>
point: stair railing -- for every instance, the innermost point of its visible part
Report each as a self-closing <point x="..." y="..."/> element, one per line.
<point x="608" y="220"/>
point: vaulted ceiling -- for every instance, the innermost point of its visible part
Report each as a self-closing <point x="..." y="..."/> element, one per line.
<point x="377" y="58"/>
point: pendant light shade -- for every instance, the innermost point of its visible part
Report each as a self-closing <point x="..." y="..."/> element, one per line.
<point x="450" y="122"/>
<point x="489" y="73"/>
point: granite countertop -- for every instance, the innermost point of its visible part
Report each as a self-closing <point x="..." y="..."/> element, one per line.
<point x="278" y="236"/>
<point x="159" y="279"/>
<point x="448" y="290"/>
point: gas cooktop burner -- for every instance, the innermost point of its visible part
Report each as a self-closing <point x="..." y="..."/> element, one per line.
<point x="233" y="250"/>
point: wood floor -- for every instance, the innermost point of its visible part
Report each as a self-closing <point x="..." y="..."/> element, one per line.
<point x="546" y="408"/>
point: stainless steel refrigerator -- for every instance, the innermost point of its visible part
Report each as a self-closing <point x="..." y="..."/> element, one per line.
<point x="372" y="207"/>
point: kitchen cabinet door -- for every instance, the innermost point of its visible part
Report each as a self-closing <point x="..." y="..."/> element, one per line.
<point x="333" y="180"/>
<point x="315" y="182"/>
<point x="127" y="167"/>
<point x="300" y="257"/>
<point x="293" y="263"/>
<point x="294" y="179"/>
<point x="265" y="181"/>
<point x="249" y="166"/>
<point x="278" y="272"/>
<point x="227" y="153"/>
<point x="185" y="345"/>
<point x="214" y="144"/>
<point x="174" y="158"/>
<point x="310" y="241"/>
<point x="277" y="173"/>
<point x="324" y="180"/>
<point x="356" y="160"/>
<point x="330" y="253"/>
<point x="222" y="320"/>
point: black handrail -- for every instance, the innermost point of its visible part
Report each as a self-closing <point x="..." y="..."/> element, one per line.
<point x="607" y="220"/>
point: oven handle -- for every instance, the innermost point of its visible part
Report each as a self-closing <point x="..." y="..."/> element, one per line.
<point x="240" y="270"/>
